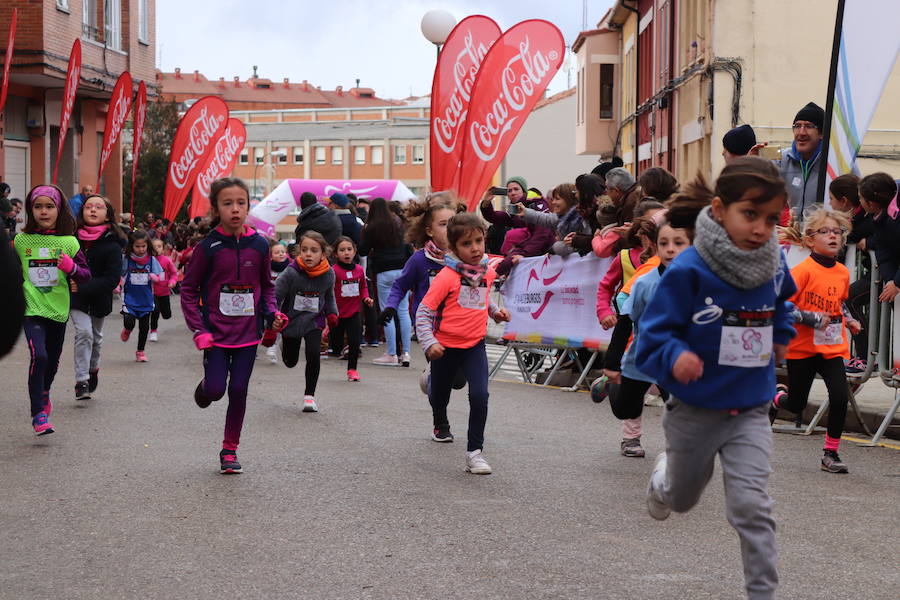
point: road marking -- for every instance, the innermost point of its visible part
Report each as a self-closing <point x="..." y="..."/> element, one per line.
<point x="865" y="441"/>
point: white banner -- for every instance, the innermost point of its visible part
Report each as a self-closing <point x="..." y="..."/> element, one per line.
<point x="553" y="300"/>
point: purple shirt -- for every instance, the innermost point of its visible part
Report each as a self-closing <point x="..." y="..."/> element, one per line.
<point x="415" y="277"/>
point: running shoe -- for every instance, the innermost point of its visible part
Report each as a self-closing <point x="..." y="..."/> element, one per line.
<point x="272" y="355"/>
<point x="82" y="390"/>
<point x="632" y="448"/>
<point x="658" y="509"/>
<point x="855" y="366"/>
<point x="778" y="400"/>
<point x="228" y="462"/>
<point x="140" y="356"/>
<point x="201" y="400"/>
<point x="41" y="424"/>
<point x="598" y="389"/>
<point x="93" y="380"/>
<point x="476" y="464"/>
<point x="386" y="360"/>
<point x="424" y="378"/>
<point x="405" y="359"/>
<point x="832" y="463"/>
<point x="153" y="337"/>
<point x="125" y="335"/>
<point x="442" y="434"/>
<point x="352" y="375"/>
<point x="309" y="404"/>
<point x="373" y="344"/>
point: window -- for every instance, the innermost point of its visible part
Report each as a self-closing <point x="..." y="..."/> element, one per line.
<point x="62" y="5"/>
<point x="282" y="155"/>
<point x="337" y="155"/>
<point x="258" y="155"/>
<point x="112" y="24"/>
<point x="377" y="155"/>
<point x="89" y="20"/>
<point x="244" y="158"/>
<point x="399" y="155"/>
<point x="320" y="155"/>
<point x="359" y="155"/>
<point x="418" y="154"/>
<point x="143" y="22"/>
<point x="298" y="155"/>
<point x="606" y="91"/>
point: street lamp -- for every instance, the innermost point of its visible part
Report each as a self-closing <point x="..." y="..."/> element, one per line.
<point x="437" y="25"/>
<point x="278" y="153"/>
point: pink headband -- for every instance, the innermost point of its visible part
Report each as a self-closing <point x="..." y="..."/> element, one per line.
<point x="48" y="191"/>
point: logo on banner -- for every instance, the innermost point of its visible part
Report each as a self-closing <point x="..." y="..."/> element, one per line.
<point x="534" y="302"/>
<point x="227" y="148"/>
<point x="201" y="134"/>
<point x="346" y="189"/>
<point x="465" y="69"/>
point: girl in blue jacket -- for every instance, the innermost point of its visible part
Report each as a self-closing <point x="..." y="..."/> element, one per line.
<point x="140" y="270"/>
<point x="710" y="336"/>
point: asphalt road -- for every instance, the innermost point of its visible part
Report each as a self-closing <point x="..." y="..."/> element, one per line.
<point x="125" y="499"/>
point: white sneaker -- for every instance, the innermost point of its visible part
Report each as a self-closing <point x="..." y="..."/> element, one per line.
<point x="404" y="359"/>
<point x="658" y="509"/>
<point x="272" y="353"/>
<point x="423" y="378"/>
<point x="387" y="360"/>
<point x="476" y="464"/>
<point x="309" y="404"/>
<point x="153" y="337"/>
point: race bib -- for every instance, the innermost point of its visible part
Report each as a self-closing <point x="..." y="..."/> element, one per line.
<point x="474" y="298"/>
<point x="43" y="273"/>
<point x="746" y="339"/>
<point x="832" y="335"/>
<point x="350" y="289"/>
<point x="236" y="301"/>
<point x="304" y="303"/>
<point x="139" y="278"/>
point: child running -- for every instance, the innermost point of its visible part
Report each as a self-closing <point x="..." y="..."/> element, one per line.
<point x="451" y="323"/>
<point x="141" y="270"/>
<point x="305" y="293"/>
<point x="227" y="299"/>
<point x="162" y="289"/>
<point x="821" y="345"/>
<point x="710" y="338"/>
<point x="51" y="257"/>
<point x="350" y="293"/>
<point x="280" y="260"/>
<point x="102" y="242"/>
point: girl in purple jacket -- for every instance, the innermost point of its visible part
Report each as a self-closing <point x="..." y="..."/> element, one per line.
<point x="227" y="298"/>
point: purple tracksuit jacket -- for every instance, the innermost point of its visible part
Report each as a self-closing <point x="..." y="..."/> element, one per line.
<point x="416" y="278"/>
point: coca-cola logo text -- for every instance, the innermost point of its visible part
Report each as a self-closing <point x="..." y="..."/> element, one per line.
<point x="200" y="134"/>
<point x="119" y="114"/>
<point x="446" y="127"/>
<point x="224" y="154"/>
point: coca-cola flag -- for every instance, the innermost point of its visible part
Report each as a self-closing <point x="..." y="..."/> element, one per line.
<point x="451" y="89"/>
<point x="119" y="105"/>
<point x="140" y="115"/>
<point x="219" y="164"/>
<point x="512" y="78"/>
<point x="7" y="58"/>
<point x="200" y="127"/>
<point x="73" y="73"/>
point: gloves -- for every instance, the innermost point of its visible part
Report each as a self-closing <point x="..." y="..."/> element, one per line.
<point x="386" y="315"/>
<point x="269" y="337"/>
<point x="284" y="319"/>
<point x="66" y="264"/>
<point x="332" y="321"/>
<point x="203" y="341"/>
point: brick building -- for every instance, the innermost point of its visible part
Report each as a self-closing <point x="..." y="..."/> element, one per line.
<point x="116" y="35"/>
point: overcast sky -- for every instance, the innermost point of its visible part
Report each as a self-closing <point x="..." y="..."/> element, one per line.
<point x="334" y="42"/>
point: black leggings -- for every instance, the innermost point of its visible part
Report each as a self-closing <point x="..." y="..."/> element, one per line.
<point x="143" y="324"/>
<point x="627" y="398"/>
<point x="163" y="307"/>
<point x="352" y="326"/>
<point x="802" y="371"/>
<point x="858" y="303"/>
<point x="612" y="360"/>
<point x="290" y="354"/>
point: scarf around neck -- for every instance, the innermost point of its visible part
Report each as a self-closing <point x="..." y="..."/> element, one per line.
<point x="91" y="233"/>
<point x="471" y="273"/>
<point x="319" y="269"/>
<point x="141" y="260"/>
<point x="744" y="269"/>
<point x="434" y="253"/>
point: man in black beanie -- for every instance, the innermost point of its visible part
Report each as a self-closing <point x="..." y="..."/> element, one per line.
<point x="603" y="168"/>
<point x="314" y="216"/>
<point x="801" y="163"/>
<point x="738" y="142"/>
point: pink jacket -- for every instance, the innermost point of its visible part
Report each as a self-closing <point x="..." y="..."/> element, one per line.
<point x="604" y="245"/>
<point x="612" y="281"/>
<point x="161" y="287"/>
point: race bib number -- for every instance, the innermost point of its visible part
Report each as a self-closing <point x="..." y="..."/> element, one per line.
<point x="236" y="301"/>
<point x="746" y="339"/>
<point x="139" y="278"/>
<point x="474" y="298"/>
<point x="832" y="335"/>
<point x="350" y="289"/>
<point x="304" y="303"/>
<point x="43" y="273"/>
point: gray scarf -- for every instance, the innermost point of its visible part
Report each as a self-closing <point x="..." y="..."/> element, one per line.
<point x="744" y="269"/>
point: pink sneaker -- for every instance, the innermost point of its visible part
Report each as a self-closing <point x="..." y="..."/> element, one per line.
<point x="41" y="424"/>
<point x="140" y="356"/>
<point x="125" y="335"/>
<point x="352" y="375"/>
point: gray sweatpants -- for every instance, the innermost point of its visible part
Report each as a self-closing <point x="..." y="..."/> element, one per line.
<point x="743" y="442"/>
<point x="88" y="339"/>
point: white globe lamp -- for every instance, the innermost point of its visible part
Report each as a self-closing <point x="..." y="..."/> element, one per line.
<point x="437" y="25"/>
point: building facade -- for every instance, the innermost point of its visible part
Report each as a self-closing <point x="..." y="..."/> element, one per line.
<point x="684" y="72"/>
<point x="116" y="35"/>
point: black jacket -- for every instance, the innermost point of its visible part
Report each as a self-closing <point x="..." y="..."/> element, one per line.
<point x="318" y="218"/>
<point x="104" y="258"/>
<point x="12" y="300"/>
<point x="349" y="225"/>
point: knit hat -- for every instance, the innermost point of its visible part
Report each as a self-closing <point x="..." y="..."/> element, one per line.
<point x="603" y="168"/>
<point x="813" y="113"/>
<point x="520" y="180"/>
<point x="341" y="200"/>
<point x="739" y="140"/>
<point x="307" y="199"/>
